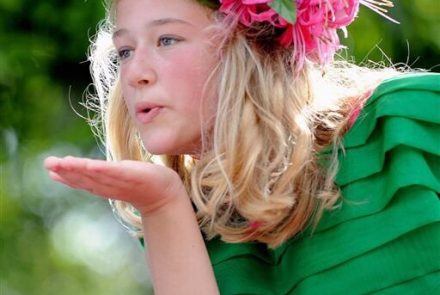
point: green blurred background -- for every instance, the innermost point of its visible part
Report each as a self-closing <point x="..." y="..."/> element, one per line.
<point x="56" y="240"/>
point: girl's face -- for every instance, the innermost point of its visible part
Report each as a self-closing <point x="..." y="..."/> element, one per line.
<point x="165" y="59"/>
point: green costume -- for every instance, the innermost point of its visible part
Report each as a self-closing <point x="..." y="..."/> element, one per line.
<point x="385" y="236"/>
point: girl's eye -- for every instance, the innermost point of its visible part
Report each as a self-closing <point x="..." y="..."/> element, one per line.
<point x="167" y="41"/>
<point x="124" y="53"/>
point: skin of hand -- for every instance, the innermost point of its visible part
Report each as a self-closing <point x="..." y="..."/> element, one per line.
<point x="176" y="253"/>
<point x="148" y="187"/>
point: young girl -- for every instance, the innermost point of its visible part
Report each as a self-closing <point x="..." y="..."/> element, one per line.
<point x="251" y="162"/>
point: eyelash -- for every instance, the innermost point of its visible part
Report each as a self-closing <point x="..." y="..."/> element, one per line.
<point x="162" y="38"/>
<point x="123" y="53"/>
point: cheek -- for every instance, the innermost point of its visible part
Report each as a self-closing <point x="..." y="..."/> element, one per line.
<point x="187" y="79"/>
<point x="194" y="68"/>
<point x="124" y="84"/>
<point x="126" y="99"/>
<point x="189" y="73"/>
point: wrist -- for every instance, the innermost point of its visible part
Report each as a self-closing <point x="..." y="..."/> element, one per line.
<point x="169" y="207"/>
<point x="170" y="193"/>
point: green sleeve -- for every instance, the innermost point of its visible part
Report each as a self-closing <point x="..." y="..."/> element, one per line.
<point x="384" y="237"/>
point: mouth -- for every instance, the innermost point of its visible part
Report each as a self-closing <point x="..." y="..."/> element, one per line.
<point x="145" y="113"/>
<point x="144" y="107"/>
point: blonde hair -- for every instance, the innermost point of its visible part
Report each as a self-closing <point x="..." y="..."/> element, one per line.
<point x="261" y="179"/>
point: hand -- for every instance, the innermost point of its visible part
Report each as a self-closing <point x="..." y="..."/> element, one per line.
<point x="148" y="187"/>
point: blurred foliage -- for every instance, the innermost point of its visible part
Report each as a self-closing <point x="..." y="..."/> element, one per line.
<point x="59" y="241"/>
<point x="414" y="42"/>
<point x="53" y="240"/>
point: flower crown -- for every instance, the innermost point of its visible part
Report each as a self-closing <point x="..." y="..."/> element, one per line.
<point x="309" y="27"/>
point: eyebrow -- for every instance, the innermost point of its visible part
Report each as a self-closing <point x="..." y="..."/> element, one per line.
<point x="153" y="23"/>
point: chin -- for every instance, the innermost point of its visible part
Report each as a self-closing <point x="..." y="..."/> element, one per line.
<point x="159" y="150"/>
<point x="170" y="149"/>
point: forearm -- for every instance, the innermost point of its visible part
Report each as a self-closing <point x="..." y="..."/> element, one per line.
<point x="177" y="256"/>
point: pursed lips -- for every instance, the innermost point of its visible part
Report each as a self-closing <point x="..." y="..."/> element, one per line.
<point x="146" y="112"/>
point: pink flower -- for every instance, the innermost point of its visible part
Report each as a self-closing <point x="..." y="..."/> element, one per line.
<point x="252" y="11"/>
<point x="312" y="36"/>
<point x="314" y="33"/>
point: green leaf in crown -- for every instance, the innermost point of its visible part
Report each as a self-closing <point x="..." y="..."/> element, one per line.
<point x="285" y="8"/>
<point x="214" y="4"/>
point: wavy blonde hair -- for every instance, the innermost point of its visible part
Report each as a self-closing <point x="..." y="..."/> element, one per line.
<point x="260" y="180"/>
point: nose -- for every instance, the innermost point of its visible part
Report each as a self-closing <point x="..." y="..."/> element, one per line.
<point x="140" y="71"/>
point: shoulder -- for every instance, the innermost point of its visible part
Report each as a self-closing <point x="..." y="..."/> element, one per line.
<point x="392" y="150"/>
<point x="393" y="144"/>
<point x="402" y="92"/>
<point x="387" y="228"/>
<point x="411" y="95"/>
<point x="415" y="96"/>
<point x="402" y="110"/>
<point x="389" y="177"/>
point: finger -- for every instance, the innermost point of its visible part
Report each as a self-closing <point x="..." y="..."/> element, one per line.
<point x="66" y="163"/>
<point x="83" y="182"/>
<point x="58" y="171"/>
<point x="115" y="177"/>
<point x="119" y="170"/>
<point x="121" y="173"/>
<point x="115" y="174"/>
<point x="60" y="178"/>
<point x="56" y="177"/>
<point x="52" y="163"/>
<point x="89" y="175"/>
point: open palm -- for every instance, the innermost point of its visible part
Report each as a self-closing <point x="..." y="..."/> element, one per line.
<point x="146" y="186"/>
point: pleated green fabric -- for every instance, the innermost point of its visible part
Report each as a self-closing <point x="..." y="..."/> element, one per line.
<point x="384" y="238"/>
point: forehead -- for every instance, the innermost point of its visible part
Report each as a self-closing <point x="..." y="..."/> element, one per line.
<point x="135" y="11"/>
